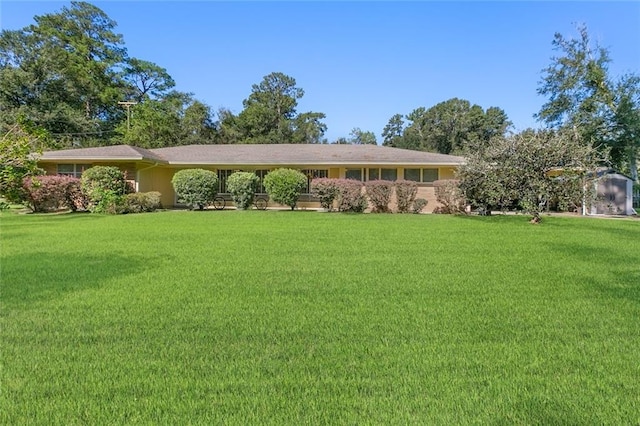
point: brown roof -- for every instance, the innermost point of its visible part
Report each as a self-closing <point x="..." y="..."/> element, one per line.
<point x="285" y="154"/>
<point x="103" y="153"/>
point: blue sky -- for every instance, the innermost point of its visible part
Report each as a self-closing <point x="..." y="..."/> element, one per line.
<point x="361" y="62"/>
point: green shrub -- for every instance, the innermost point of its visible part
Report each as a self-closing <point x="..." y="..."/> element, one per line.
<point x="285" y="185"/>
<point x="406" y="191"/>
<point x="196" y="188"/>
<point x="350" y="196"/>
<point x="109" y="202"/>
<point x="104" y="182"/>
<point x="325" y="190"/>
<point x="142" y="202"/>
<point x="242" y="187"/>
<point x="379" y="193"/>
<point x="418" y="205"/>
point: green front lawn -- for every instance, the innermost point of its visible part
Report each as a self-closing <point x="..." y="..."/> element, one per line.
<point x="227" y="317"/>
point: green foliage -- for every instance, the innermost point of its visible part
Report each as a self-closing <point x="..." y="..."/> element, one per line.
<point x="583" y="95"/>
<point x="142" y="202"/>
<point x="520" y="171"/>
<point x="406" y="191"/>
<point x="103" y="186"/>
<point x="48" y="193"/>
<point x="17" y="161"/>
<point x="361" y="137"/>
<point x="285" y="185"/>
<point x="107" y="202"/>
<point x="235" y="319"/>
<point x="195" y="188"/>
<point x="269" y="115"/>
<point x="242" y="187"/>
<point x="451" y="127"/>
<point x="379" y="193"/>
<point x="449" y="196"/>
<point x="325" y="190"/>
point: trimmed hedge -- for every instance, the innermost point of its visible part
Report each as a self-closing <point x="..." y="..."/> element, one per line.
<point x="326" y="190"/>
<point x="379" y="193"/>
<point x="48" y="193"/>
<point x="285" y="185"/>
<point x="196" y="188"/>
<point x="142" y="202"/>
<point x="103" y="185"/>
<point x="450" y="197"/>
<point x="406" y="191"/>
<point x="242" y="187"/>
<point x="350" y="196"/>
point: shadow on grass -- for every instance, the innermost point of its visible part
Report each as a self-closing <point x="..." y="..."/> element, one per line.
<point x="35" y="277"/>
<point x="619" y="276"/>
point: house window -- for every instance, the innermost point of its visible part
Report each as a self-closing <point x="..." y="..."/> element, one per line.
<point x="412" y="175"/>
<point x="312" y="174"/>
<point x="261" y="174"/>
<point x="389" y="174"/>
<point x="429" y="175"/>
<point x="223" y="175"/>
<point x="353" y="174"/>
<point x="74" y="170"/>
<point x="374" y="174"/>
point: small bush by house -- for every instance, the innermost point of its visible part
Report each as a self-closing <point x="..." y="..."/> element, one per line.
<point x="48" y="193"/>
<point x="326" y="190"/>
<point x="379" y="193"/>
<point x="242" y="187"/>
<point x="104" y="186"/>
<point x="196" y="188"/>
<point x="142" y="202"/>
<point x="450" y="197"/>
<point x="350" y="196"/>
<point x="285" y="185"/>
<point x="406" y="191"/>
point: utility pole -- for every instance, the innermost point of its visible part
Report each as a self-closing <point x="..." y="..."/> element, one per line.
<point x="128" y="105"/>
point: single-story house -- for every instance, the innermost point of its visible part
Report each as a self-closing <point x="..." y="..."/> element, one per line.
<point x="614" y="194"/>
<point x="153" y="169"/>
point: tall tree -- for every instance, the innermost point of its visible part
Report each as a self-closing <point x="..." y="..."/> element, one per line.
<point x="392" y="132"/>
<point x="583" y="95"/>
<point x="454" y="126"/>
<point x="63" y="72"/>
<point x="308" y="128"/>
<point x="362" y="137"/>
<point x="269" y="114"/>
<point x="146" y="79"/>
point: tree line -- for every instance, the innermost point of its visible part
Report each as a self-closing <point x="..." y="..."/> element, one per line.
<point x="69" y="74"/>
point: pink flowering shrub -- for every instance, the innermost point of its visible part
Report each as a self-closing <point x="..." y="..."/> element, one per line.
<point x="48" y="193"/>
<point x="406" y="191"/>
<point x="379" y="193"/>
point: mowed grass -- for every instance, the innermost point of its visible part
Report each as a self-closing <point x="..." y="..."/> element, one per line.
<point x="312" y="318"/>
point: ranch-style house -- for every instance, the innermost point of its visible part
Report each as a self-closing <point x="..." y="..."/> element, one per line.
<point x="152" y="169"/>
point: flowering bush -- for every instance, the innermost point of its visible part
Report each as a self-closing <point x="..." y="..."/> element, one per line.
<point x="406" y="191"/>
<point x="379" y="193"/>
<point x="350" y="196"/>
<point x="47" y="193"/>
